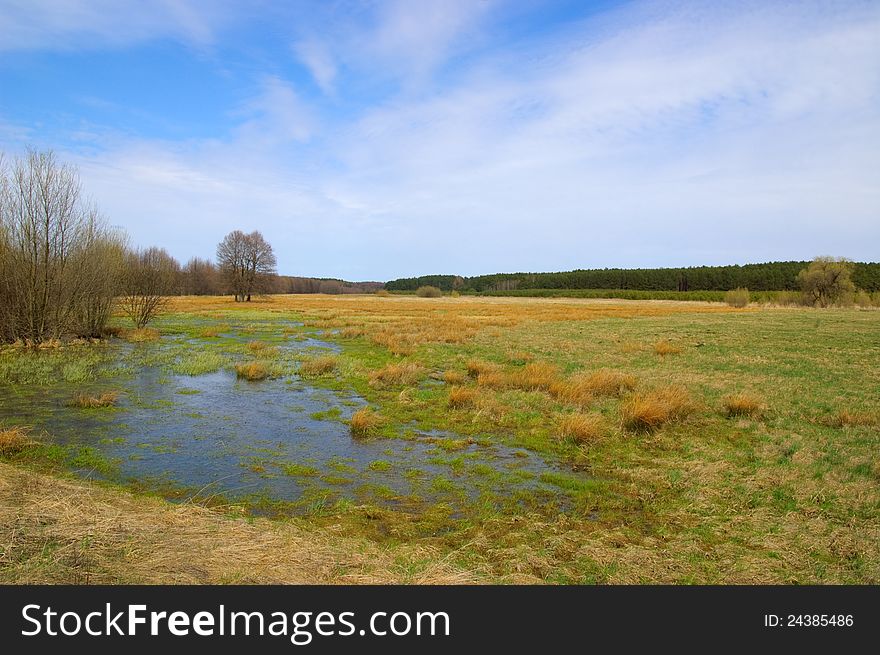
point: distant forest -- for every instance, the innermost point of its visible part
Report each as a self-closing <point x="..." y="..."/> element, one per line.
<point x="772" y="276"/>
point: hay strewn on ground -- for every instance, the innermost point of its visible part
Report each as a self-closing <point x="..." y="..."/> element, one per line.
<point x="65" y="531"/>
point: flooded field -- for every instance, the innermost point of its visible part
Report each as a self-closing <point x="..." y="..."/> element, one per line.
<point x="277" y="445"/>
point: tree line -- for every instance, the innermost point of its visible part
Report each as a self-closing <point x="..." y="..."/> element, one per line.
<point x="771" y="276"/>
<point x="64" y="270"/>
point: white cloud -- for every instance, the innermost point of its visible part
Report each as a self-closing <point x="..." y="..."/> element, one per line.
<point x="92" y="24"/>
<point x="317" y="58"/>
<point x="651" y="136"/>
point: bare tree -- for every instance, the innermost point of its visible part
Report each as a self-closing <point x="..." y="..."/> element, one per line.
<point x="149" y="277"/>
<point x="200" y="278"/>
<point x="246" y="262"/>
<point x="46" y="234"/>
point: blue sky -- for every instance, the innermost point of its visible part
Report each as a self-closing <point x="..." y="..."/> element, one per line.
<point x="374" y="140"/>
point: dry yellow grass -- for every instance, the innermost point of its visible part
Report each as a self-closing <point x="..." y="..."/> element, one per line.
<point x="665" y="347"/>
<point x="846" y="417"/>
<point x="402" y="374"/>
<point x="88" y="401"/>
<point x="317" y="366"/>
<point x="607" y="382"/>
<point x="364" y="423"/>
<point x="648" y="411"/>
<point x="252" y="371"/>
<point x="13" y="440"/>
<point x="351" y="332"/>
<point x="461" y="397"/>
<point x="403" y="323"/>
<point x="534" y="376"/>
<point x="55" y="531"/>
<point x="140" y="335"/>
<point x="492" y="380"/>
<point x="454" y="377"/>
<point x="477" y="367"/>
<point x="743" y="404"/>
<point x="582" y="428"/>
<point x="259" y="347"/>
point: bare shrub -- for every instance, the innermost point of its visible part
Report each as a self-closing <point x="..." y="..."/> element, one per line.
<point x="149" y="278"/>
<point x="738" y="297"/>
<point x="428" y="292"/>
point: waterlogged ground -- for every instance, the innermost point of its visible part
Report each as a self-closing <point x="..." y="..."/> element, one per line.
<point x="276" y="445"/>
<point x="730" y="446"/>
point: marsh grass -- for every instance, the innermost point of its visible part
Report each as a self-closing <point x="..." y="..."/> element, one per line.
<point x="140" y="335"/>
<point x="318" y="366"/>
<point x="89" y="401"/>
<point x="253" y="371"/>
<point x="400" y="374"/>
<point x="454" y="378"/>
<point x="534" y="376"/>
<point x="648" y="411"/>
<point x="743" y="404"/>
<point x="198" y="362"/>
<point x="580" y="388"/>
<point x="665" y="347"/>
<point x="462" y="397"/>
<point x="365" y="423"/>
<point x="477" y="367"/>
<point x="582" y="428"/>
<point x="15" y="439"/>
<point x="846" y="417"/>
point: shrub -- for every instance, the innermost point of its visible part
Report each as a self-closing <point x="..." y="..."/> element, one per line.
<point x="454" y="294"/>
<point x="252" y="371"/>
<point x="827" y="281"/>
<point x="582" y="428"/>
<point x="863" y="299"/>
<point x="743" y="404"/>
<point x="364" y="423"/>
<point x="738" y="297"/>
<point x="428" y="292"/>
<point x="405" y="373"/>
<point x="317" y="366"/>
<point x="664" y="348"/>
<point x="648" y="411"/>
<point x="84" y="400"/>
<point x="460" y="397"/>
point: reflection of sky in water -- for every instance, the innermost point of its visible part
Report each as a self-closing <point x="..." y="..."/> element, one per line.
<point x="231" y="437"/>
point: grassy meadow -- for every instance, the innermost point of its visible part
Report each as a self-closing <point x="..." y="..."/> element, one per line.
<point x="679" y="442"/>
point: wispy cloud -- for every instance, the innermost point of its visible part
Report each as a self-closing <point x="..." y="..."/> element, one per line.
<point x="657" y="134"/>
<point x="93" y="24"/>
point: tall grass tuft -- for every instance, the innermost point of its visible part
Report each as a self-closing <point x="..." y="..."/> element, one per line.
<point x="477" y="367"/>
<point x="15" y="439"/>
<point x="665" y="347"/>
<point x="402" y="374"/>
<point x="645" y="412"/>
<point x="582" y="428"/>
<point x="454" y="377"/>
<point x="364" y="423"/>
<point x="317" y="366"/>
<point x="461" y="398"/>
<point x="534" y="376"/>
<point x="846" y="417"/>
<point x="743" y="404"/>
<point x="141" y="335"/>
<point x="88" y="401"/>
<point x="252" y="371"/>
<point x="738" y="297"/>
